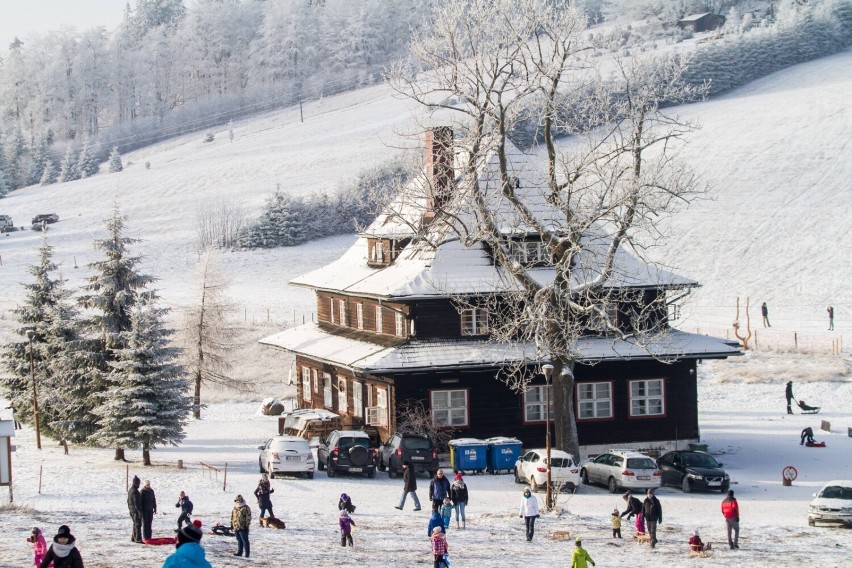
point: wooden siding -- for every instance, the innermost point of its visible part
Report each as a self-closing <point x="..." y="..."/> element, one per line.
<point x="389" y="311"/>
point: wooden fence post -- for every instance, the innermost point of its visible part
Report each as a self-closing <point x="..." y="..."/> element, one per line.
<point x="40" y="468"/>
<point x="225" y="482"/>
<point x="796" y="340"/>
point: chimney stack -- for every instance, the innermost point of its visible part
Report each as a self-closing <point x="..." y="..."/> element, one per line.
<point x="439" y="167"/>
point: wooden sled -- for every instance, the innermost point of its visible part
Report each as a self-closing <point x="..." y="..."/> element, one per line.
<point x="642" y="538"/>
<point x="700" y="553"/>
<point x="559" y="535"/>
<point x="806" y="408"/>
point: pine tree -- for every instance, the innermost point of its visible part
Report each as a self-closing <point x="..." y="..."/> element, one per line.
<point x="14" y="152"/>
<point x="113" y="292"/>
<point x="38" y="157"/>
<point x="86" y="163"/>
<point x="68" y="167"/>
<point x="4" y="184"/>
<point x="115" y="164"/>
<point x="146" y="403"/>
<point x="48" y="175"/>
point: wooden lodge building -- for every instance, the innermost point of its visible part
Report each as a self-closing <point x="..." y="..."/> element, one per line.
<point x="390" y="330"/>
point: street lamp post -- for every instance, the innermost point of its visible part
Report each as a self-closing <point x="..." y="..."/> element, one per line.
<point x="548" y="372"/>
<point x="30" y="336"/>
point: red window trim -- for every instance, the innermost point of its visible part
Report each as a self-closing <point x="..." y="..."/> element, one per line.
<point x="630" y="415"/>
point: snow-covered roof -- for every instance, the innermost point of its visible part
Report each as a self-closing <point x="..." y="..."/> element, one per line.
<point x="360" y="356"/>
<point x="694" y="17"/>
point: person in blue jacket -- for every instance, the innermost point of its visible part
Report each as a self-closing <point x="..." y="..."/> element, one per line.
<point x="436" y="521"/>
<point x="189" y="553"/>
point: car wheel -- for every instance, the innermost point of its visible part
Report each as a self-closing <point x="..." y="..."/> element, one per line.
<point x="329" y="470"/>
<point x="320" y="465"/>
<point x="687" y="486"/>
<point x="382" y="466"/>
<point x="811" y="523"/>
<point x="613" y="486"/>
<point x="533" y="485"/>
<point x="517" y="477"/>
<point x="585" y="475"/>
<point x="260" y="465"/>
<point x="309" y="475"/>
<point x="391" y="470"/>
<point x="571" y="487"/>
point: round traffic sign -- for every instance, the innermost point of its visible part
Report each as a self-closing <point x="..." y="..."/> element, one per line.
<point x="790" y="473"/>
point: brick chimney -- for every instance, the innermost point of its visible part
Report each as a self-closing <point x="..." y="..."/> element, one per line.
<point x="439" y="168"/>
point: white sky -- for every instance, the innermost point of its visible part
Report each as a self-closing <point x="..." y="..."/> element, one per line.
<point x="24" y="18"/>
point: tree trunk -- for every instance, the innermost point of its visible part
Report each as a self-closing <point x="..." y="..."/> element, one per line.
<point x="146" y="453"/>
<point x="196" y="400"/>
<point x="119" y="454"/>
<point x="565" y="423"/>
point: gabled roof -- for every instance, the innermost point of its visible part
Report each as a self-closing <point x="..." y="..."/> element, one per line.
<point x="694" y="17"/>
<point x="433" y="354"/>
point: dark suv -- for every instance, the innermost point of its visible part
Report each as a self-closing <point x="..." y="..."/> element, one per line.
<point x="347" y="451"/>
<point x="419" y="451"/>
<point x="693" y="471"/>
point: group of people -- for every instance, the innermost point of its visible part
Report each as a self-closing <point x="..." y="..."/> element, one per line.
<point x="764" y="312"/>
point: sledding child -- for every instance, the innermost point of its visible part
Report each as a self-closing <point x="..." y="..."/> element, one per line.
<point x="346" y="524"/>
<point x="695" y="544"/>
<point x="616" y="523"/>
<point x="345" y="503"/>
<point x="39" y="545"/>
<point x="439" y="548"/>
<point x="447" y="512"/>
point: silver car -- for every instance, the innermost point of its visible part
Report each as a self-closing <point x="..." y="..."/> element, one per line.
<point x="286" y="454"/>
<point x="833" y="504"/>
<point x="622" y="469"/>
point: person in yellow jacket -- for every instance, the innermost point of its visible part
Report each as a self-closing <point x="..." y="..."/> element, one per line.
<point x="240" y="521"/>
<point x="581" y="557"/>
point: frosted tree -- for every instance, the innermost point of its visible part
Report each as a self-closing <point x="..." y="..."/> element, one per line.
<point x="87" y="165"/>
<point x="4" y="183"/>
<point x="48" y="174"/>
<point x="14" y="150"/>
<point x="481" y="63"/>
<point x="146" y="403"/>
<point x="230" y="130"/>
<point x="206" y="334"/>
<point x="38" y="159"/>
<point x="68" y="167"/>
<point x="115" y="164"/>
<point x="110" y="295"/>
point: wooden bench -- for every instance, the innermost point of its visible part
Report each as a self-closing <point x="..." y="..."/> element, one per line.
<point x="559" y="535"/>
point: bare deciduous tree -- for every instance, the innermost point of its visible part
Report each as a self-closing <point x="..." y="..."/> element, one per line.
<point x="489" y="64"/>
<point x="414" y="418"/>
<point x="219" y="224"/>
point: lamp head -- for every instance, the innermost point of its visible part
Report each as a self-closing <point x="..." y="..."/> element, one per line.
<point x="30" y="334"/>
<point x="547" y="370"/>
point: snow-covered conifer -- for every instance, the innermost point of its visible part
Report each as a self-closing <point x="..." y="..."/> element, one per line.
<point x="115" y="164"/>
<point x="68" y="167"/>
<point x="48" y="174"/>
<point x="87" y="165"/>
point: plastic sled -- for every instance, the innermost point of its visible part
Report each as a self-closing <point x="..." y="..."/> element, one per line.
<point x="815" y="444"/>
<point x="806" y="408"/>
<point x="160" y="541"/>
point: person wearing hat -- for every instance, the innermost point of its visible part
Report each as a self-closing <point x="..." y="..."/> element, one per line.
<point x="409" y="485"/>
<point x="695" y="544"/>
<point x="189" y="553"/>
<point x="345" y="504"/>
<point x="345" y="523"/>
<point x="439" y="548"/>
<point x="240" y="521"/>
<point x="529" y="511"/>
<point x="149" y="508"/>
<point x="185" y="506"/>
<point x="63" y="552"/>
<point x="39" y="545"/>
<point x="134" y="505"/>
<point x="652" y="510"/>
<point x="789" y="394"/>
<point x="616" y="523"/>
<point x="731" y="512"/>
<point x="458" y="494"/>
<point x="264" y="493"/>
<point x="581" y="558"/>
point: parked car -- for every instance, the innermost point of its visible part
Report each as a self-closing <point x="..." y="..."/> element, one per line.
<point x="419" y="451"/>
<point x="693" y="471"/>
<point x="532" y="468"/>
<point x="347" y="451"/>
<point x="833" y="504"/>
<point x="46" y="217"/>
<point x="5" y="223"/>
<point x="622" y="469"/>
<point x="286" y="454"/>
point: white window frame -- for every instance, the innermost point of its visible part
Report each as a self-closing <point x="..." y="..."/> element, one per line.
<point x="315" y="377"/>
<point x="379" y="322"/>
<point x="399" y="324"/>
<point x="449" y="408"/>
<point x="594" y="400"/>
<point x="357" y="399"/>
<point x="342" y="401"/>
<point x="535" y="398"/>
<point x="643" y="404"/>
<point x="378" y="251"/>
<point x="359" y="315"/>
<point x="327" y="399"/>
<point x="331" y="310"/>
<point x="474" y="321"/>
<point x="306" y="383"/>
<point x="341" y="308"/>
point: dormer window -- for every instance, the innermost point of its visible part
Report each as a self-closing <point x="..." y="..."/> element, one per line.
<point x="382" y="252"/>
<point x="474" y="322"/>
<point x="529" y="252"/>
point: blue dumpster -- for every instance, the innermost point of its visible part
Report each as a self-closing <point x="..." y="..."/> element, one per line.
<point x="503" y="453"/>
<point x="468" y="454"/>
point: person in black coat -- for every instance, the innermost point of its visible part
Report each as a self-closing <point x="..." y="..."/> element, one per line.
<point x="149" y="508"/>
<point x="134" y="505"/>
<point x="653" y="512"/>
<point x="409" y="481"/>
<point x="789" y="394"/>
<point x="263" y="493"/>
<point x="185" y="510"/>
<point x="63" y="552"/>
<point x="634" y="508"/>
<point x="439" y="489"/>
<point x="345" y="504"/>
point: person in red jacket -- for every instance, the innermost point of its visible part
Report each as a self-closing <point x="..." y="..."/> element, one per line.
<point x="731" y="512"/>
<point x="696" y="545"/>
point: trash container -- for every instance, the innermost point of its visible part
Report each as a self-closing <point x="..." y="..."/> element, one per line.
<point x="468" y="454"/>
<point x="502" y="453"/>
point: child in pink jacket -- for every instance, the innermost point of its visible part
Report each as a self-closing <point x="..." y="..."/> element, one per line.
<point x="39" y="546"/>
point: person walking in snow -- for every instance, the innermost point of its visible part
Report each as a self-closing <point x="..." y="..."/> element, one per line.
<point x="764" y="311"/>
<point x="345" y="504"/>
<point x="652" y="511"/>
<point x="580" y="558"/>
<point x="134" y="506"/>
<point x="346" y="523"/>
<point x="731" y="512"/>
<point x="439" y="548"/>
<point x="149" y="508"/>
<point x="529" y="511"/>
<point x="39" y="545"/>
<point x="409" y="485"/>
<point x="634" y="508"/>
<point x="830" y="310"/>
<point x="189" y="553"/>
<point x="439" y="489"/>
<point x="185" y="510"/>
<point x="263" y="494"/>
<point x="458" y="494"/>
<point x="63" y="552"/>
<point x="240" y="521"/>
<point x="788" y="392"/>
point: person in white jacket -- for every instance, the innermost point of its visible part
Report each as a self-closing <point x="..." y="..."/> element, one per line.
<point x="529" y="511"/>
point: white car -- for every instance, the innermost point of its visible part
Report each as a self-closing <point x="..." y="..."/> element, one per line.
<point x="286" y="454"/>
<point x="532" y="468"/>
<point x="622" y="469"/>
<point x="833" y="504"/>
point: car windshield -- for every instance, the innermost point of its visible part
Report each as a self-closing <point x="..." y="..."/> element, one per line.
<point x="641" y="463"/>
<point x="699" y="460"/>
<point x="836" y="492"/>
<point x="559" y="462"/>
<point x="416" y="444"/>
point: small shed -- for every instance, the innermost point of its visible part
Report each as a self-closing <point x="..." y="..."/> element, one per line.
<point x="702" y="22"/>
